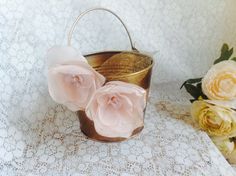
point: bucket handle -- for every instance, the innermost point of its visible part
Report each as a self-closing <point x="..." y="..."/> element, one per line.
<point x="97" y="9"/>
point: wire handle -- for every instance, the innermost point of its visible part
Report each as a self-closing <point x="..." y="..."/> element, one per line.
<point x="97" y="9"/>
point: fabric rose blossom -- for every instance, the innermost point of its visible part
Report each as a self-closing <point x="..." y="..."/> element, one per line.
<point x="220" y="81"/>
<point x="214" y="118"/>
<point x="71" y="80"/>
<point x="232" y="156"/>
<point x="117" y="109"/>
<point x="225" y="145"/>
<point x="214" y="102"/>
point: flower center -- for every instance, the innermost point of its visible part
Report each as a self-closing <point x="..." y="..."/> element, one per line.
<point x="74" y="80"/>
<point x="213" y="119"/>
<point x="114" y="102"/>
<point x="228" y="85"/>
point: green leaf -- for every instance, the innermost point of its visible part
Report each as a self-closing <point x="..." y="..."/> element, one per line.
<point x="225" y="54"/>
<point x="204" y="96"/>
<point x="192" y="90"/>
<point x="232" y="139"/>
<point x="234" y="59"/>
<point x="199" y="86"/>
<point x="195" y="91"/>
<point x="224" y="48"/>
<point x="228" y="54"/>
<point x="191" y="81"/>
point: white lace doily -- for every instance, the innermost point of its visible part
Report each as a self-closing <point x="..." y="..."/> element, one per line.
<point x="39" y="137"/>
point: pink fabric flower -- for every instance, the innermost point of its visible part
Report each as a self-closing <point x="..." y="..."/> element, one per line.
<point x="71" y="80"/>
<point x="117" y="109"/>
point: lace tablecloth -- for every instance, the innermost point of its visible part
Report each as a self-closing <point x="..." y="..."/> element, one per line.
<point x="168" y="145"/>
<point x="39" y="137"/>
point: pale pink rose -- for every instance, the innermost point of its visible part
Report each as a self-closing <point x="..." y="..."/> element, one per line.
<point x="71" y="80"/>
<point x="117" y="109"/>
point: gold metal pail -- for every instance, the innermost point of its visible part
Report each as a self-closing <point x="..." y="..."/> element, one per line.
<point x="128" y="66"/>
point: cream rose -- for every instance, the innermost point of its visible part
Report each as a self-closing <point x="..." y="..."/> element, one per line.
<point x="216" y="119"/>
<point x="220" y="81"/>
<point x="232" y="156"/>
<point x="117" y="109"/>
<point x="224" y="145"/>
<point x="71" y="80"/>
<point x="227" y="146"/>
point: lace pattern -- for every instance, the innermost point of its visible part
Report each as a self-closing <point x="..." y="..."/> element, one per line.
<point x="39" y="137"/>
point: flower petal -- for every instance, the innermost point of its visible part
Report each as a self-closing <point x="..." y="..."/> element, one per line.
<point x="220" y="81"/>
<point x="123" y="117"/>
<point x="216" y="120"/>
<point x="59" y="55"/>
<point x="73" y="84"/>
<point x="228" y="104"/>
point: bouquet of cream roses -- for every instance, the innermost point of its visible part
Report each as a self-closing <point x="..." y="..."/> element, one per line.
<point x="214" y="102"/>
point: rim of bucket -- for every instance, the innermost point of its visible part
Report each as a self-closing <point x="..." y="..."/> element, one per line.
<point x="117" y="51"/>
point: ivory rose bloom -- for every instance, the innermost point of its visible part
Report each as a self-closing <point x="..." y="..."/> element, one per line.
<point x="117" y="109"/>
<point x="227" y="146"/>
<point x="224" y="145"/>
<point x="214" y="118"/>
<point x="220" y="81"/>
<point x="232" y="156"/>
<point x="71" y="80"/>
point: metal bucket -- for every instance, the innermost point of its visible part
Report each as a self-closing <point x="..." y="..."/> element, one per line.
<point x="128" y="66"/>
